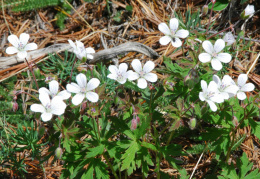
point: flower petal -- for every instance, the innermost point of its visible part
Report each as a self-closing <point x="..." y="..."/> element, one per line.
<point x="224" y="57"/>
<point x="242" y="78"/>
<point x="22" y="54"/>
<point x="11" y="50"/>
<point x="64" y="94"/>
<point x="46" y="116"/>
<point x="164" y="28"/>
<point x="219" y="45"/>
<point x="165" y="40"/>
<point x="132" y="75"/>
<point x="122" y="68"/>
<point x="208" y="47"/>
<point x="150" y="77"/>
<point x="81" y="80"/>
<point x="212" y="86"/>
<point x="24" y="38"/>
<point x="248" y="87"/>
<point x="113" y="69"/>
<point x="217" y="80"/>
<point x="72" y="44"/>
<point x="212" y="105"/>
<point x="148" y="66"/>
<point x="182" y="33"/>
<point x="216" y="64"/>
<point x="54" y="87"/>
<point x="204" y="57"/>
<point x="92" y="84"/>
<point x="232" y="89"/>
<point x="44" y="98"/>
<point x="174" y="24"/>
<point x="112" y="76"/>
<point x="90" y="50"/>
<point x="201" y="96"/>
<point x="241" y="95"/>
<point x="137" y="66"/>
<point x="142" y="83"/>
<point x="92" y="96"/>
<point x="57" y="105"/>
<point x="73" y="88"/>
<point x="13" y="39"/>
<point x="37" y="108"/>
<point x="176" y="42"/>
<point x="79" y="44"/>
<point x="122" y="81"/>
<point x="204" y="85"/>
<point x="78" y="98"/>
<point x="90" y="56"/>
<point x="44" y="90"/>
<point x="31" y="46"/>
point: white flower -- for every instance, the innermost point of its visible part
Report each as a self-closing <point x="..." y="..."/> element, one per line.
<point x="54" y="90"/>
<point x="83" y="89"/>
<point x="226" y="87"/>
<point x="249" y="10"/>
<point x="49" y="107"/>
<point x="210" y="94"/>
<point x="80" y="51"/>
<point x="171" y="34"/>
<point x="20" y="45"/>
<point x="119" y="74"/>
<point x="243" y="86"/>
<point x="229" y="38"/>
<point x="142" y="73"/>
<point x="213" y="54"/>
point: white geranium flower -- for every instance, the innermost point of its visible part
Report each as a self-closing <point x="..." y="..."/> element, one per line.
<point x="54" y="90"/>
<point x="83" y="89"/>
<point x="226" y="87"/>
<point x="20" y="45"/>
<point x="171" y="34"/>
<point x="210" y="94"/>
<point x="243" y="86"/>
<point x="229" y="38"/>
<point x="249" y="10"/>
<point x="213" y="54"/>
<point x="119" y="74"/>
<point x="80" y="51"/>
<point x="49" y="107"/>
<point x="142" y="73"/>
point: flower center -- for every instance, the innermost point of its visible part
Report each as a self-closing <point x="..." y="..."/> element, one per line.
<point x="141" y="73"/>
<point x="214" y="54"/>
<point x="209" y="94"/>
<point x="48" y="108"/>
<point x="20" y="46"/>
<point x="120" y="76"/>
<point x="83" y="90"/>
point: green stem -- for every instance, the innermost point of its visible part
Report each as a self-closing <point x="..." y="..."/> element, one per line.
<point x="210" y="17"/>
<point x="30" y="68"/>
<point x="110" y="166"/>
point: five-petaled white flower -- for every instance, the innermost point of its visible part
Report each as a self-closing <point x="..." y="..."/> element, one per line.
<point x="54" y="90"/>
<point x="83" y="89"/>
<point x="142" y="73"/>
<point x="226" y="86"/>
<point x="249" y="10"/>
<point x="20" y="45"/>
<point x="210" y="94"/>
<point x="243" y="86"/>
<point x="119" y="74"/>
<point x="49" y="107"/>
<point x="80" y="51"/>
<point x="171" y="34"/>
<point x="229" y="38"/>
<point x="213" y="54"/>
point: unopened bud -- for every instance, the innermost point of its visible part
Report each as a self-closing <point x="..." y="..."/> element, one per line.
<point x="14" y="106"/>
<point x="229" y="38"/>
<point x="205" y="10"/>
<point x="37" y="72"/>
<point x="193" y="123"/>
<point x="133" y="124"/>
<point x="249" y="11"/>
<point x="58" y="152"/>
<point x="169" y="84"/>
<point x="192" y="78"/>
<point x="235" y="121"/>
<point x="213" y="1"/>
<point x="138" y="119"/>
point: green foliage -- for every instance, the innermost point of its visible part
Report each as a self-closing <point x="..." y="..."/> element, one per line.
<point x="219" y="5"/>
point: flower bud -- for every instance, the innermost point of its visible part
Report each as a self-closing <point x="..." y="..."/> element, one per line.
<point x="138" y="119"/>
<point x="14" y="106"/>
<point x="37" y="72"/>
<point x="192" y="123"/>
<point x="49" y="78"/>
<point x="192" y="78"/>
<point x="58" y="152"/>
<point x="133" y="124"/>
<point x="249" y="11"/>
<point x="235" y="121"/>
<point x="205" y="10"/>
<point x="229" y="38"/>
<point x="213" y="1"/>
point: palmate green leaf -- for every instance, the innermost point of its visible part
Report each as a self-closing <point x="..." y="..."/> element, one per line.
<point x="129" y="156"/>
<point x="255" y="126"/>
<point x="95" y="151"/>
